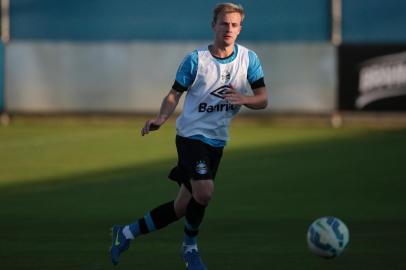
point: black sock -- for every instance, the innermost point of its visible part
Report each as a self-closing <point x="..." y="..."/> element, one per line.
<point x="156" y="219"/>
<point x="164" y="215"/>
<point x="194" y="216"/>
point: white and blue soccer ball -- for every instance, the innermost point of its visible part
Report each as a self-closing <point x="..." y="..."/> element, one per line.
<point x="327" y="237"/>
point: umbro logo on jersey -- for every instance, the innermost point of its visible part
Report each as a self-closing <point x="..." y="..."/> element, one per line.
<point x="219" y="92"/>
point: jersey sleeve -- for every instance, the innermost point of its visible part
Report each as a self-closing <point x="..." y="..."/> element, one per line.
<point x="186" y="73"/>
<point x="255" y="74"/>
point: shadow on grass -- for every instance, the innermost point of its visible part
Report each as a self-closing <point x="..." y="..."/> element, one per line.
<point x="264" y="200"/>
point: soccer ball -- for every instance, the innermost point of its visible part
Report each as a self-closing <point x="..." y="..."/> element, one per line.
<point x="327" y="237"/>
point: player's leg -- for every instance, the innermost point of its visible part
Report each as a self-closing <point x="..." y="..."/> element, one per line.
<point x="202" y="193"/>
<point x="182" y="200"/>
<point x="205" y="162"/>
<point x="198" y="161"/>
<point x="156" y="219"/>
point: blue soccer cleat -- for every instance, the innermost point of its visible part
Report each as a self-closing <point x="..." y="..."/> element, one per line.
<point x="191" y="257"/>
<point x="119" y="243"/>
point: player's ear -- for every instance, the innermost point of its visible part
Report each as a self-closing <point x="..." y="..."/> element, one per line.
<point x="240" y="30"/>
<point x="213" y="23"/>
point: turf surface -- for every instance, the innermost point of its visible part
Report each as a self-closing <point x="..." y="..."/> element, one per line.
<point x="64" y="182"/>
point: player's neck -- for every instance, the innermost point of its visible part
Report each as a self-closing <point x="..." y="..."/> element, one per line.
<point x="221" y="51"/>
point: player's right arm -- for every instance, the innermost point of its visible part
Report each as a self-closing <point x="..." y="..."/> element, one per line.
<point x="184" y="77"/>
<point x="168" y="106"/>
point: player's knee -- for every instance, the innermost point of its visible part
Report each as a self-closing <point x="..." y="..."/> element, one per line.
<point x="203" y="191"/>
<point x="203" y="198"/>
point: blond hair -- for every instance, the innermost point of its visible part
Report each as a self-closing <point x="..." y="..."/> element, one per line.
<point x="228" y="8"/>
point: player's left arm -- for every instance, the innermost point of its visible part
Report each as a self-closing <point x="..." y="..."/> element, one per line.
<point x="257" y="101"/>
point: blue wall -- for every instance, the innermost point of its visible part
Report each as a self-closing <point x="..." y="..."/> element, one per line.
<point x="99" y="20"/>
<point x="2" y="77"/>
<point x="374" y="21"/>
<point x="267" y="20"/>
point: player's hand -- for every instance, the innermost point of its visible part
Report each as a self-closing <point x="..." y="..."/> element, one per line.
<point x="234" y="97"/>
<point x="151" y="125"/>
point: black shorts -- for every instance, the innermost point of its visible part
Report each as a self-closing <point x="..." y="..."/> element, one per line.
<point x="196" y="161"/>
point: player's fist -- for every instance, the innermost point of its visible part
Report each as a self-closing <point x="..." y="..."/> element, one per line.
<point x="150" y="125"/>
<point x="234" y="97"/>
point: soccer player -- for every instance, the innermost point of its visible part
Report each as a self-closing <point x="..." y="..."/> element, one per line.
<point x="216" y="79"/>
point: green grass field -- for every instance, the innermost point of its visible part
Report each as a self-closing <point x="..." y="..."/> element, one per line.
<point x="65" y="182"/>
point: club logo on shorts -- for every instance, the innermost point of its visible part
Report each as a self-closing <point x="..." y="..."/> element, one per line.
<point x="201" y="167"/>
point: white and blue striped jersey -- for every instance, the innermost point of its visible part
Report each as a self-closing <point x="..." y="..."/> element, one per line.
<point x="206" y="115"/>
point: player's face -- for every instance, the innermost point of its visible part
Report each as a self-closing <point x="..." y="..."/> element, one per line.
<point x="227" y="28"/>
